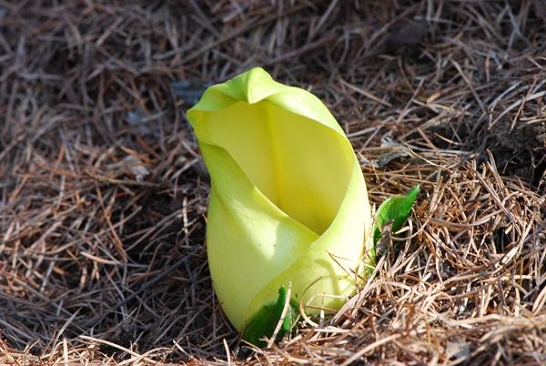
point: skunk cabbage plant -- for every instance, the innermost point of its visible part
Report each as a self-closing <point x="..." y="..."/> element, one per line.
<point x="288" y="204"/>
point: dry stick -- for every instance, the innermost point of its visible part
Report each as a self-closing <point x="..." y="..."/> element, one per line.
<point x="144" y="287"/>
<point x="304" y="49"/>
<point x="124" y="349"/>
<point x="126" y="182"/>
<point x="204" y="19"/>
<point x="236" y="33"/>
<point x="370" y="347"/>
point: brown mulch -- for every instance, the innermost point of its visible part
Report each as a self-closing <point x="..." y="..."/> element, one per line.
<point x="103" y="193"/>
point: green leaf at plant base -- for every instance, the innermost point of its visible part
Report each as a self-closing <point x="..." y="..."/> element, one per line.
<point x="396" y="210"/>
<point x="262" y="325"/>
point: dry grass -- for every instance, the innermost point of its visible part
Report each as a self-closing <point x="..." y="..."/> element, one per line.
<point x="103" y="194"/>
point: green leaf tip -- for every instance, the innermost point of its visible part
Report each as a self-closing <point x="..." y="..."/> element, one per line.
<point x="396" y="210"/>
<point x="266" y="321"/>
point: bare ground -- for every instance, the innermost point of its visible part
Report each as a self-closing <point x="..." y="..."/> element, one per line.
<point x="103" y="193"/>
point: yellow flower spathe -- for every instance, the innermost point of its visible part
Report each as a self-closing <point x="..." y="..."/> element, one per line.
<point x="288" y="200"/>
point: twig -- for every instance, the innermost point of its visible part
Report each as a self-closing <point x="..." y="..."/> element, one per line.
<point x="125" y="182"/>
